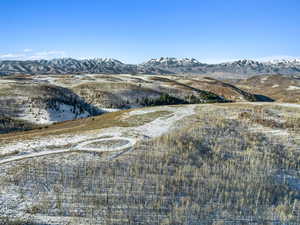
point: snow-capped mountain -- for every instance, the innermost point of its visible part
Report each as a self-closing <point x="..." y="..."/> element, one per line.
<point x="163" y="65"/>
<point x="172" y="62"/>
<point x="240" y="67"/>
<point x="64" y="66"/>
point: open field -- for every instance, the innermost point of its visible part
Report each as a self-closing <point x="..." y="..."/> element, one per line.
<point x="157" y="157"/>
<point x="153" y="112"/>
<point x="235" y="163"/>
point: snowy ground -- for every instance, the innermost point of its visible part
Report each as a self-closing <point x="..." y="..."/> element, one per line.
<point x="293" y="105"/>
<point x="41" y="147"/>
<point x="91" y="141"/>
<point x="157" y="127"/>
<point x="49" y="116"/>
<point x="262" y="80"/>
<point x="3" y="81"/>
<point x="11" y="202"/>
<point x="291" y="88"/>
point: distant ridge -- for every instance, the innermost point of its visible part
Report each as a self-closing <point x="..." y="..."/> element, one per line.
<point x="163" y="65"/>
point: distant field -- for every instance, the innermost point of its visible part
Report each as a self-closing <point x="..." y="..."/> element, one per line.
<point x="46" y="99"/>
<point x="277" y="87"/>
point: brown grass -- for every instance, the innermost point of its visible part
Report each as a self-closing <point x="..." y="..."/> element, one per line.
<point x="114" y="119"/>
<point x="71" y="127"/>
<point x="211" y="171"/>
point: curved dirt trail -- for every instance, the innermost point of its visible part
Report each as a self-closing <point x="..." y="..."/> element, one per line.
<point x="155" y="128"/>
<point x="78" y="148"/>
<point x="129" y="135"/>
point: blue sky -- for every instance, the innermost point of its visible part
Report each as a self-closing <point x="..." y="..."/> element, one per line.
<point x="135" y="31"/>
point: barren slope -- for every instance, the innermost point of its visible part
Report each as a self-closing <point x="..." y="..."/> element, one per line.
<point x="39" y="103"/>
<point x="277" y="87"/>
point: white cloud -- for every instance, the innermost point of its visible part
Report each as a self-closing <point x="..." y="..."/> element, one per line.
<point x="27" y="50"/>
<point x="47" y="55"/>
<point x="29" y="54"/>
<point x="11" y="56"/>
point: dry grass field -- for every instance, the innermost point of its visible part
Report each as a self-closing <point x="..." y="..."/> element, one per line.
<point x="234" y="163"/>
<point x="35" y="101"/>
<point x="277" y="87"/>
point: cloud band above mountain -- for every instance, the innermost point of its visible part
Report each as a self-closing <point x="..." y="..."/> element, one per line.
<point x="29" y="54"/>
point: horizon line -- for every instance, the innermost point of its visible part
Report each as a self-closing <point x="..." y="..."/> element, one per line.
<point x="261" y="60"/>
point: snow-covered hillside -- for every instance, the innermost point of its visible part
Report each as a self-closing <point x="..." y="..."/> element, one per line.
<point x="163" y="65"/>
<point x="61" y="113"/>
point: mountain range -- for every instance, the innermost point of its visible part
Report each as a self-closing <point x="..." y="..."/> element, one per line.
<point x="163" y="65"/>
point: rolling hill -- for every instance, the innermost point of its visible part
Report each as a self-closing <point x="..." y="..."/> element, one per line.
<point x="29" y="101"/>
<point x="277" y="87"/>
<point x="158" y="165"/>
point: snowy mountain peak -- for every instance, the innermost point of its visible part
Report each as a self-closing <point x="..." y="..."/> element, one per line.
<point x="246" y="62"/>
<point x="172" y="60"/>
<point x="162" y="65"/>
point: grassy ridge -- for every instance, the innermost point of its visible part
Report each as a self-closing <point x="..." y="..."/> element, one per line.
<point x="212" y="171"/>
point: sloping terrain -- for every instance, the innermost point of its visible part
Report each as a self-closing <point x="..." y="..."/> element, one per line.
<point x="226" y="90"/>
<point x="40" y="100"/>
<point x="24" y="102"/>
<point x="131" y="90"/>
<point x="232" y="163"/>
<point x="154" y="66"/>
<point x="279" y="88"/>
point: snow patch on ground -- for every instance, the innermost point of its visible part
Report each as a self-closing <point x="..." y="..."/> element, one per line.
<point x="293" y="105"/>
<point x="109" y="109"/>
<point x="262" y="80"/>
<point x="6" y="81"/>
<point x="162" y="125"/>
<point x="49" y="116"/>
<point x="275" y="86"/>
<point x="291" y="88"/>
